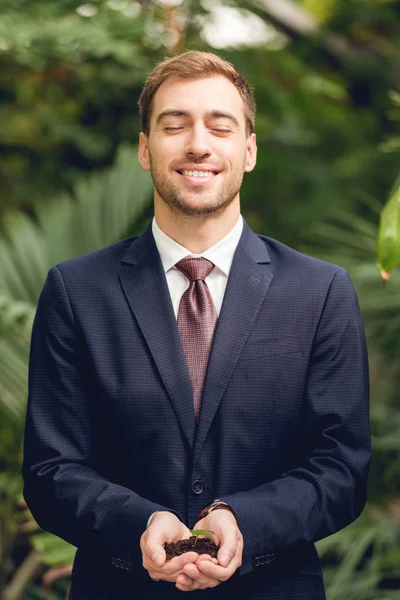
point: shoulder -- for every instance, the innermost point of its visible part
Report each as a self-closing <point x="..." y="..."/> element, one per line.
<point x="97" y="262"/>
<point x="287" y="258"/>
<point x="88" y="275"/>
<point x="304" y="272"/>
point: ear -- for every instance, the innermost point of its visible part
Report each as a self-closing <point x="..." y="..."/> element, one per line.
<point x="143" y="151"/>
<point x="251" y="153"/>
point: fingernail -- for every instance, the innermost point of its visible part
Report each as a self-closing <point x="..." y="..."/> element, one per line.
<point x="224" y="559"/>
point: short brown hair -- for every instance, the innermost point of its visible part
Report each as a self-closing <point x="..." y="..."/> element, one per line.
<point x="194" y="64"/>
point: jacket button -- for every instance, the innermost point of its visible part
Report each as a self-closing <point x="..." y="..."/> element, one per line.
<point x="197" y="487"/>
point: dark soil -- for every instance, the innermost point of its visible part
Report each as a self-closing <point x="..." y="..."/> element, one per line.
<point x="203" y="546"/>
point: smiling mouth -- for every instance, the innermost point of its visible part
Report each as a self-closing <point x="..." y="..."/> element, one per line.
<point x="199" y="174"/>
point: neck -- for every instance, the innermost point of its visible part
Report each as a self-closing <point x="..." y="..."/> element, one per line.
<point x="196" y="234"/>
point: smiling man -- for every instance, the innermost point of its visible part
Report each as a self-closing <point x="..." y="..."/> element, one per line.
<point x="198" y="150"/>
<point x="197" y="376"/>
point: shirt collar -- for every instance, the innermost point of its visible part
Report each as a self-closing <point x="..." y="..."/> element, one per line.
<point x="221" y="254"/>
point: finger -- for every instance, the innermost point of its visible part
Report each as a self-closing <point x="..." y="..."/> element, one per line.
<point x="207" y="557"/>
<point x="153" y="546"/>
<point x="198" y="579"/>
<point x="178" y="562"/>
<point x="154" y="552"/>
<point x="228" y="550"/>
<point x="184" y="580"/>
<point x="197" y="586"/>
<point x="190" y="570"/>
<point x="170" y="577"/>
<point x="174" y="566"/>
<point x="183" y="588"/>
<point x="218" y="572"/>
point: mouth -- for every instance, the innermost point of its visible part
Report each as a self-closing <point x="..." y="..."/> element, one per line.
<point x="197" y="177"/>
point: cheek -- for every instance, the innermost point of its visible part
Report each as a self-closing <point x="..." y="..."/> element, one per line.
<point x="232" y="153"/>
<point x="238" y="161"/>
<point x="157" y="160"/>
<point x="166" y="152"/>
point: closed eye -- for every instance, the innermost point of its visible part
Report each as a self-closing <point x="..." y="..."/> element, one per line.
<point x="222" y="131"/>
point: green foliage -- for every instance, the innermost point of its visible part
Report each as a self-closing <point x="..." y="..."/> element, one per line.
<point x="369" y="549"/>
<point x="198" y="532"/>
<point x="53" y="549"/>
<point x="69" y="84"/>
<point x="102" y="209"/>
<point x="388" y="253"/>
<point x="362" y="560"/>
<point x="328" y="139"/>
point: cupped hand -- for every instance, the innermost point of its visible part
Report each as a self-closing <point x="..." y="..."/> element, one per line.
<point x="164" y="527"/>
<point x="207" y="572"/>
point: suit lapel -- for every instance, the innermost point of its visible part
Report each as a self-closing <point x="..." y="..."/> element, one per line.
<point x="248" y="283"/>
<point x="145" y="286"/>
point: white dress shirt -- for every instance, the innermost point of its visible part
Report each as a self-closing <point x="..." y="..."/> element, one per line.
<point x="221" y="255"/>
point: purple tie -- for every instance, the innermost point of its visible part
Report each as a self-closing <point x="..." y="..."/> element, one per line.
<point x="197" y="320"/>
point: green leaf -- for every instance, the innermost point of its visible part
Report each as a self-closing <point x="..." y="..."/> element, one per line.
<point x="388" y="250"/>
<point x="198" y="532"/>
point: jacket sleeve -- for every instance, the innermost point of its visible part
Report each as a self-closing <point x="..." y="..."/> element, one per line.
<point x="66" y="493"/>
<point x="325" y="489"/>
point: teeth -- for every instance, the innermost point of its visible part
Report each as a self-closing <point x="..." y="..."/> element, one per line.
<point x="198" y="173"/>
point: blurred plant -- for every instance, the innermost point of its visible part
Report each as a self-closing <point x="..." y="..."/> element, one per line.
<point x="102" y="209"/>
<point x="70" y="77"/>
<point x="388" y="251"/>
<point x="362" y="561"/>
<point x="71" y="73"/>
<point x="369" y="554"/>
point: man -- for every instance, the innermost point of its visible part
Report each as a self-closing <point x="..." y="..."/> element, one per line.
<point x="198" y="376"/>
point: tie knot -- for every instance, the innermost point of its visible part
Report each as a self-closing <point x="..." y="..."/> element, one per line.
<point x="195" y="268"/>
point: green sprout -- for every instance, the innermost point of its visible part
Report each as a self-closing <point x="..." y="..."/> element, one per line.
<point x="198" y="532"/>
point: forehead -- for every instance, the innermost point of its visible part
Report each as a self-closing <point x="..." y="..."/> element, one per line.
<point x="198" y="96"/>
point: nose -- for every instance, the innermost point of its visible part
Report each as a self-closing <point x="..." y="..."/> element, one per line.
<point x="198" y="145"/>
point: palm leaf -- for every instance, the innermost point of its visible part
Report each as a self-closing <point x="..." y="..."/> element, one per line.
<point x="367" y="551"/>
<point x="15" y="325"/>
<point x="100" y="211"/>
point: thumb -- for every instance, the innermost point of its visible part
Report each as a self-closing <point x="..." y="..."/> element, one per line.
<point x="158" y="556"/>
<point x="156" y="550"/>
<point x="227" y="550"/>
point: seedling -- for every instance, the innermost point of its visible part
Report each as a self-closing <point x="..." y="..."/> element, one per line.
<point x="198" y="532"/>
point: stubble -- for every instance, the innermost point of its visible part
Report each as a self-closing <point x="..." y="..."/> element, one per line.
<point x="213" y="202"/>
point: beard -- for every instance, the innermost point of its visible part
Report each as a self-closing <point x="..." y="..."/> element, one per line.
<point x="213" y="202"/>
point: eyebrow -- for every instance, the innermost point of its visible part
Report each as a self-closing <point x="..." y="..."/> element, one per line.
<point x="213" y="114"/>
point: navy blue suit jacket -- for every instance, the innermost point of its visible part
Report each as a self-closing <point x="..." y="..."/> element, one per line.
<point x="283" y="435"/>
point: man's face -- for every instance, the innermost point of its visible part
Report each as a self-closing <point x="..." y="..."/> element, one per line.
<point x="198" y="148"/>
